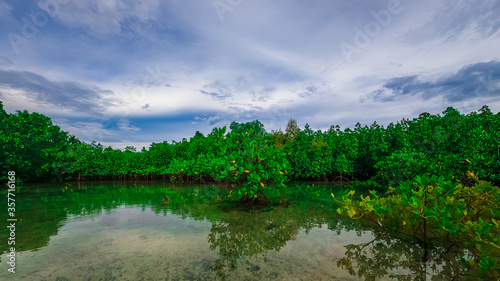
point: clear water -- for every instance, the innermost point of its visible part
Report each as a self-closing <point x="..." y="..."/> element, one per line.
<point x="123" y="231"/>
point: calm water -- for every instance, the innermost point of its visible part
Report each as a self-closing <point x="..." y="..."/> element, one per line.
<point x="123" y="231"/>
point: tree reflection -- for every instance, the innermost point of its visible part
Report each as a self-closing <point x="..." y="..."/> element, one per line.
<point x="240" y="234"/>
<point x="403" y="260"/>
<point x="245" y="234"/>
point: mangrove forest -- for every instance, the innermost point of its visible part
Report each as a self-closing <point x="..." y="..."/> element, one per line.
<point x="428" y="183"/>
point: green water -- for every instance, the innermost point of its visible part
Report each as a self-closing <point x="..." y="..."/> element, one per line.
<point x="123" y="231"/>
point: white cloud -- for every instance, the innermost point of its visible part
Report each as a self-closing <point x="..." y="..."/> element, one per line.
<point x="4" y="9"/>
<point x="268" y="60"/>
<point x="86" y="131"/>
<point x="102" y="16"/>
<point x="124" y="125"/>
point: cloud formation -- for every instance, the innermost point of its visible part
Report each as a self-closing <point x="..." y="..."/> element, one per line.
<point x="114" y="17"/>
<point x="6" y="61"/>
<point x="470" y="82"/>
<point x="174" y="67"/>
<point x="65" y="94"/>
<point x="459" y="22"/>
<point x="216" y="90"/>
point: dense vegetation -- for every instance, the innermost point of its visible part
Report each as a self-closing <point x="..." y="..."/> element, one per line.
<point x="447" y="145"/>
<point x="438" y="171"/>
<point x="438" y="212"/>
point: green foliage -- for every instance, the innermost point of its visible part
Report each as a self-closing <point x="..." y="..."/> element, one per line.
<point x="447" y="146"/>
<point x="280" y="139"/>
<point x="254" y="160"/>
<point x="30" y="144"/>
<point x="429" y="209"/>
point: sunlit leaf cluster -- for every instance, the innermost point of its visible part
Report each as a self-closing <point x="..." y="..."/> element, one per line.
<point x="435" y="211"/>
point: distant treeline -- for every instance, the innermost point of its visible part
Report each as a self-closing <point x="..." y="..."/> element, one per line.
<point x="447" y="145"/>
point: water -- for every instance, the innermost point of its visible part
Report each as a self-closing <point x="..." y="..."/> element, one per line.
<point x="123" y="231"/>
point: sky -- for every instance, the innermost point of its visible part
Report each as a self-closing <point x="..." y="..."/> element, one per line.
<point x="125" y="72"/>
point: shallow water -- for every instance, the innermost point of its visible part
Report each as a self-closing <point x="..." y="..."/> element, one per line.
<point x="123" y="231"/>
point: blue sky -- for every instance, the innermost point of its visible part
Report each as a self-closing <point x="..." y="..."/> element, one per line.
<point x="125" y="72"/>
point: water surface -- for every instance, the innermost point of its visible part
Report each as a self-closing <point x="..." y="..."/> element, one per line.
<point x="123" y="231"/>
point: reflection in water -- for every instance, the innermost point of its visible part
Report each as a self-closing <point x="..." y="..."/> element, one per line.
<point x="402" y="261"/>
<point x="260" y="233"/>
<point x="125" y="231"/>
